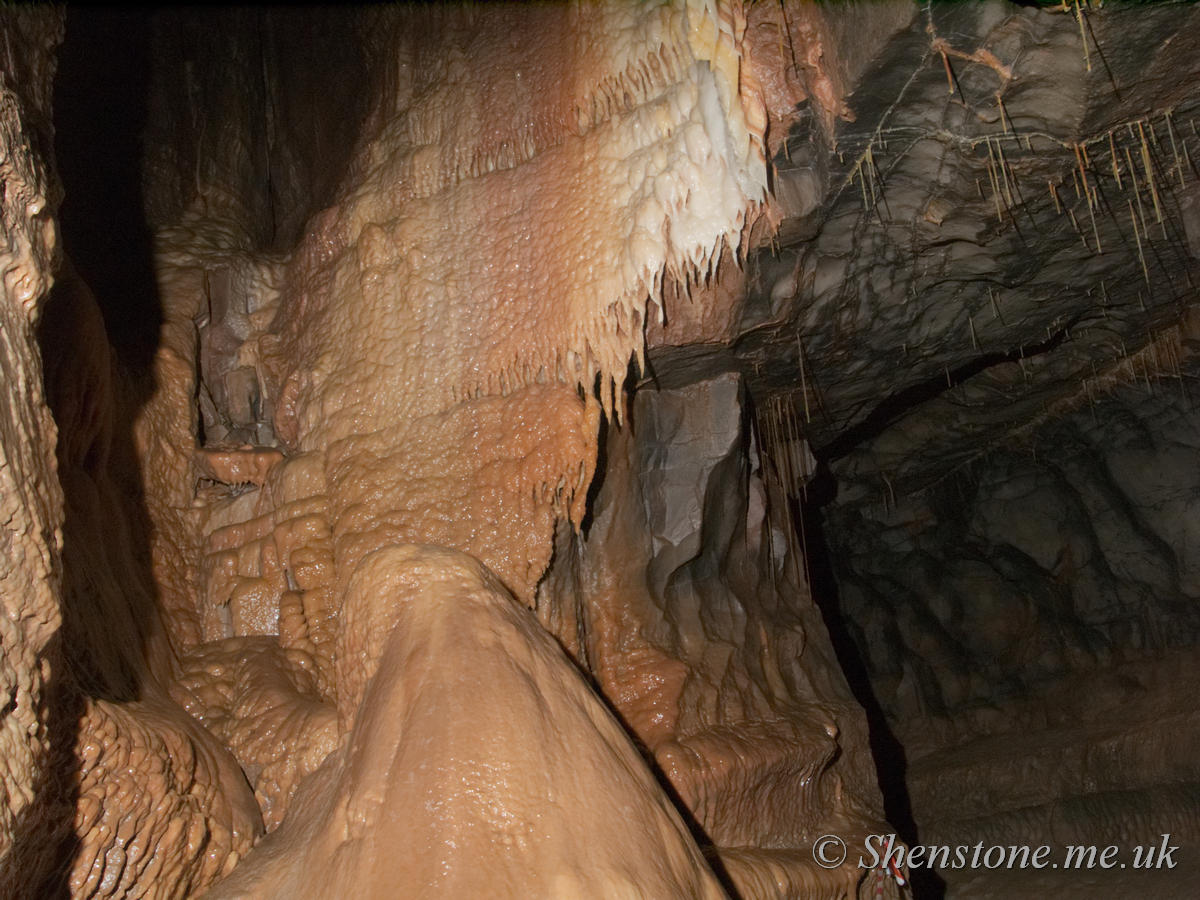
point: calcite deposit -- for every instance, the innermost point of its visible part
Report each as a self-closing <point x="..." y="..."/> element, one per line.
<point x="323" y="418"/>
<point x="597" y="449"/>
<point x="31" y="536"/>
<point x="422" y="395"/>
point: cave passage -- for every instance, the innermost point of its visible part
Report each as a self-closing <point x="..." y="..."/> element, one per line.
<point x="599" y="450"/>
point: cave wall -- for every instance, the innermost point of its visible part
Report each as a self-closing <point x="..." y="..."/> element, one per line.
<point x="686" y="599"/>
<point x="1029" y="622"/>
<point x="978" y="304"/>
<point x="1010" y="524"/>
<point x="31" y="537"/>
<point x="405" y="259"/>
<point x="236" y="515"/>
<point x="98" y="769"/>
<point x="381" y="328"/>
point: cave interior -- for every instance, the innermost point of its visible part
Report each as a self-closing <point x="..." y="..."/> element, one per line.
<point x="599" y="450"/>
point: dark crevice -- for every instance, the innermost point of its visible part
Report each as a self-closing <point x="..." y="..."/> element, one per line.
<point x="891" y="765"/>
<point x="105" y="288"/>
<point x="904" y="401"/>
<point x="101" y="107"/>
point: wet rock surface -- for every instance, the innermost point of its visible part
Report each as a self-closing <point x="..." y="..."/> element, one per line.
<point x="901" y="480"/>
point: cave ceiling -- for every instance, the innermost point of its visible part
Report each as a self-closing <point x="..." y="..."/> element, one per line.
<point x="1003" y="223"/>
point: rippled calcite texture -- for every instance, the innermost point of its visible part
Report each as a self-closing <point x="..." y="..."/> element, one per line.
<point x="161" y="807"/>
<point x="30" y="498"/>
<point x="107" y="787"/>
<point x="437" y="387"/>
<point x="518" y="207"/>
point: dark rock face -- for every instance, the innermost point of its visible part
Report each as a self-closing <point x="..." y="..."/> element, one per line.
<point x="273" y="104"/>
<point x="1029" y="622"/>
<point x="955" y="243"/>
<point x="979" y="316"/>
<point x="1075" y="549"/>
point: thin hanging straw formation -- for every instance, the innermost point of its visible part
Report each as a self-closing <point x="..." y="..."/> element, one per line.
<point x="1138" y="163"/>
